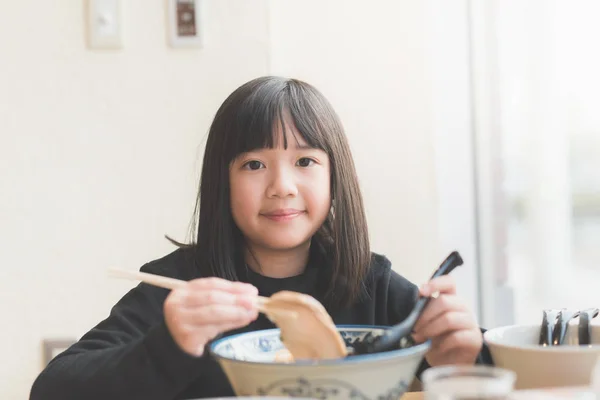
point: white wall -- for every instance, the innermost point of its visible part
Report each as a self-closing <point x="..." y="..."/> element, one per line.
<point x="372" y="63"/>
<point x="397" y="71"/>
<point x="98" y="157"/>
<point x="99" y="151"/>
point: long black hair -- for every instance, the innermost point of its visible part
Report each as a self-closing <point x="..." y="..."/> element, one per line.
<point x="245" y="122"/>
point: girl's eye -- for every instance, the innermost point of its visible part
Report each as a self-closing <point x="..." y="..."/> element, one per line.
<point x="305" y="162"/>
<point x="253" y="165"/>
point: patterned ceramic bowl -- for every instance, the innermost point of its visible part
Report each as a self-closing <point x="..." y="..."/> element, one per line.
<point x="248" y="361"/>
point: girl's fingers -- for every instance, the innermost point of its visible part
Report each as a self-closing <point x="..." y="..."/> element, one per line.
<point x="203" y="284"/>
<point x="443" y="284"/>
<point x="216" y="314"/>
<point x="193" y="299"/>
<point x="460" y="340"/>
<point x="445" y="323"/>
<point x="437" y="307"/>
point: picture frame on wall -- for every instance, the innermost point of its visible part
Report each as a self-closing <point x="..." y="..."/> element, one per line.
<point x="53" y="347"/>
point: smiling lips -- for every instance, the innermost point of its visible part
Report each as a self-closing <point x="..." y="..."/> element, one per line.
<point x="283" y="214"/>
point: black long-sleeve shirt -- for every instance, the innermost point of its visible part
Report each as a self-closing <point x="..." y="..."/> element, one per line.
<point x="131" y="354"/>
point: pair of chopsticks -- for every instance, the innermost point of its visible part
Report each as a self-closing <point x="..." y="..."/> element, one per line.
<point x="171" y="283"/>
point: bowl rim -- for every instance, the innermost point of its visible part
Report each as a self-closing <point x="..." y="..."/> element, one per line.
<point x="593" y="348"/>
<point x="422" y="347"/>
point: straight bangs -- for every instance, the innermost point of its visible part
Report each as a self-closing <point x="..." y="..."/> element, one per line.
<point x="272" y="104"/>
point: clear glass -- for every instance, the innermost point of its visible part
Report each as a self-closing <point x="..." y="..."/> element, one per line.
<point x="478" y="382"/>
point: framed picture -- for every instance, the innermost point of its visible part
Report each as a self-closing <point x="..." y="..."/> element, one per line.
<point x="53" y="347"/>
<point x="185" y="23"/>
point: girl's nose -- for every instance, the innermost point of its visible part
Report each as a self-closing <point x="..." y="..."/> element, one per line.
<point x="282" y="184"/>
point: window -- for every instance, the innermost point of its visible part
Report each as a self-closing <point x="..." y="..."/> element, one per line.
<point x="537" y="111"/>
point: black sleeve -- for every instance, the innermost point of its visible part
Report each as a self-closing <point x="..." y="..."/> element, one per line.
<point x="402" y="296"/>
<point x="129" y="355"/>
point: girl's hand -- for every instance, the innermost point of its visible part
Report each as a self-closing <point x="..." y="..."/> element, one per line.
<point x="205" y="307"/>
<point x="455" y="335"/>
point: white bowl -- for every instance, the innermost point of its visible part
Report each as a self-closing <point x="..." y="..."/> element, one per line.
<point x="515" y="348"/>
<point x="247" y="360"/>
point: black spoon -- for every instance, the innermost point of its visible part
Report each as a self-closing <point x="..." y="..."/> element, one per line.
<point x="400" y="334"/>
<point x="585" y="328"/>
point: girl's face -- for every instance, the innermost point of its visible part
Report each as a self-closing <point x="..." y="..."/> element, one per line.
<point x="280" y="197"/>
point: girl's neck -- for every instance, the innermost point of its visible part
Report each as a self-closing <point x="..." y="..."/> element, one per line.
<point x="277" y="263"/>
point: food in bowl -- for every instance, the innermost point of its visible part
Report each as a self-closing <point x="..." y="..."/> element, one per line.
<point x="307" y="330"/>
<point x="248" y="360"/>
<point x="517" y="348"/>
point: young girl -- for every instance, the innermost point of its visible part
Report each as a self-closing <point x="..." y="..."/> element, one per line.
<point x="279" y="208"/>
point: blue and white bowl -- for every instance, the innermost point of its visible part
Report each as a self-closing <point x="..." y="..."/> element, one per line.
<point x="248" y="360"/>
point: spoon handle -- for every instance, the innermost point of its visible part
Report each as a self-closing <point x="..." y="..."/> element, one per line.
<point x="585" y="328"/>
<point x="560" y="329"/>
<point x="452" y="261"/>
<point x="394" y="334"/>
<point x="548" y="322"/>
<point x="447" y="266"/>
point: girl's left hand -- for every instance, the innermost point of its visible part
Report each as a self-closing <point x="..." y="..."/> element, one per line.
<point x="454" y="333"/>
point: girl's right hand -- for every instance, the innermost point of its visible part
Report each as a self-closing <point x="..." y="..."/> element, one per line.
<point x="203" y="308"/>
